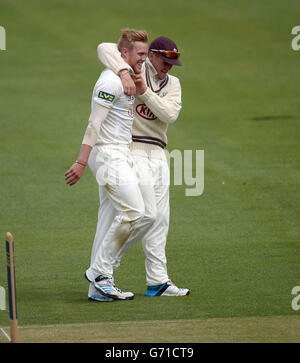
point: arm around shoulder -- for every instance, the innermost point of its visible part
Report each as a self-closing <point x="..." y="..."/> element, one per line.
<point x="110" y="56"/>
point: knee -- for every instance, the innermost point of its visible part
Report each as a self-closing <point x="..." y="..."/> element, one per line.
<point x="137" y="214"/>
<point x="150" y="216"/>
<point x="145" y="215"/>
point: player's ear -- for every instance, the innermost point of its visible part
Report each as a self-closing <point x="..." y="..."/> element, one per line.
<point x="125" y="53"/>
<point x="150" y="56"/>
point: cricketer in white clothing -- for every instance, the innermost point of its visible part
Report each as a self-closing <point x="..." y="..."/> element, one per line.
<point x="157" y="104"/>
<point x="106" y="148"/>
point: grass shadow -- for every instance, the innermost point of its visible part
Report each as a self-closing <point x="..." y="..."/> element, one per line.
<point x="272" y="118"/>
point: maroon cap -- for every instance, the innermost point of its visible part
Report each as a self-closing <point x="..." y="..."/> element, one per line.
<point x="163" y="43"/>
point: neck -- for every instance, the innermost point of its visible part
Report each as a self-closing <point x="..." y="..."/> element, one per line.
<point x="148" y="61"/>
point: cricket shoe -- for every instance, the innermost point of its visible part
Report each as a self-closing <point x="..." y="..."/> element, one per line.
<point x="105" y="285"/>
<point x="166" y="289"/>
<point x="99" y="297"/>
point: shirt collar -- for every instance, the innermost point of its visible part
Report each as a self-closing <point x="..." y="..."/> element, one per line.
<point x="151" y="67"/>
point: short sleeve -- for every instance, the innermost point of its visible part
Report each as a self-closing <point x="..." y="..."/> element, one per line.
<point x="107" y="89"/>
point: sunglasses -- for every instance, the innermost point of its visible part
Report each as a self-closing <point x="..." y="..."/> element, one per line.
<point x="171" y="54"/>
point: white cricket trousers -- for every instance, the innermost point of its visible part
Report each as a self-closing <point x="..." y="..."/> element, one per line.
<point x="122" y="220"/>
<point x="154" y="181"/>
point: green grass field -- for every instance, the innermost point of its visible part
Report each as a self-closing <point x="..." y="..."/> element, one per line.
<point x="236" y="246"/>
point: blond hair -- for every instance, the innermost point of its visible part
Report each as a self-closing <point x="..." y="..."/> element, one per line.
<point x="129" y="36"/>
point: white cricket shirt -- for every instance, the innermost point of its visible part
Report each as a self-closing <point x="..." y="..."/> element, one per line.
<point x="117" y="126"/>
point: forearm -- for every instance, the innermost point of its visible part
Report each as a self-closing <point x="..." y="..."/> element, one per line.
<point x="110" y="56"/>
<point x="166" y="109"/>
<point x="91" y="134"/>
<point x="84" y="154"/>
<point x="97" y="116"/>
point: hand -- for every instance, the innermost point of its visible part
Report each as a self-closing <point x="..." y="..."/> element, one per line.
<point x="140" y="85"/>
<point x="74" y="173"/>
<point x="127" y="82"/>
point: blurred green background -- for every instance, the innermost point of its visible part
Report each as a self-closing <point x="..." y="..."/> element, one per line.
<point x="236" y="246"/>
